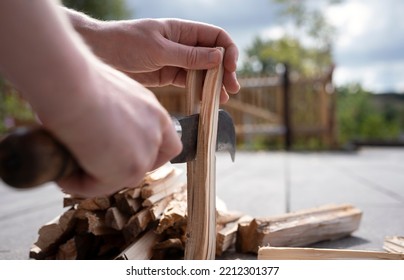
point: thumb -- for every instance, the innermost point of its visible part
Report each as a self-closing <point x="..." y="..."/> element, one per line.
<point x="190" y="57"/>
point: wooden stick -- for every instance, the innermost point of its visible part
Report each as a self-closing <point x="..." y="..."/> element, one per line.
<point x="115" y="219"/>
<point x="164" y="193"/>
<point x="394" y="244"/>
<point x="286" y="253"/>
<point x="201" y="229"/>
<point x="52" y="234"/>
<point x="174" y="214"/>
<point x="141" y="249"/>
<point x="226" y="237"/>
<point x="162" y="184"/>
<point x="299" y="228"/>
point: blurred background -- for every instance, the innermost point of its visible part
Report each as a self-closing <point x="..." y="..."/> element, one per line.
<point x="315" y="74"/>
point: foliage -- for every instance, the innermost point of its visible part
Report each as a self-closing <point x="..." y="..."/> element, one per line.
<point x="264" y="55"/>
<point x="100" y="9"/>
<point x="13" y="109"/>
<point x="306" y="48"/>
<point x="359" y="117"/>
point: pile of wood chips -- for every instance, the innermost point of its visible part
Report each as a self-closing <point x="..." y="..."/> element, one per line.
<point x="150" y="222"/>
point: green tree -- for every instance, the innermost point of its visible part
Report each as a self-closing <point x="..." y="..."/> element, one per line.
<point x="306" y="59"/>
<point x="100" y="9"/>
<point x="359" y="118"/>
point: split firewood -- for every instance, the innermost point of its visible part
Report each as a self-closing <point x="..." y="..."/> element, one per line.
<point x="174" y="214"/>
<point x="142" y="248"/>
<point x="394" y="244"/>
<point x="226" y="237"/>
<point x="201" y="230"/>
<point x="137" y="224"/>
<point x="93" y="222"/>
<point x="163" y="193"/>
<point x="158" y="208"/>
<point x="126" y="203"/>
<point x="286" y="253"/>
<point x="298" y="229"/>
<point x="171" y="243"/>
<point x="67" y="251"/>
<point x="159" y="186"/>
<point x="225" y="217"/>
<point x="93" y="204"/>
<point x="52" y="234"/>
<point x="158" y="174"/>
<point x="115" y="219"/>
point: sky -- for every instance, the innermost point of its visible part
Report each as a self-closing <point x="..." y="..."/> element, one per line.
<point x="369" y="45"/>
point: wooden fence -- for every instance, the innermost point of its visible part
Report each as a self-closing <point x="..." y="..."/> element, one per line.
<point x="279" y="109"/>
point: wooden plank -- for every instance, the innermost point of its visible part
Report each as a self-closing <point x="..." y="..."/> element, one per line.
<point x="394" y="244"/>
<point x="287" y="253"/>
<point x="298" y="229"/>
<point x="201" y="230"/>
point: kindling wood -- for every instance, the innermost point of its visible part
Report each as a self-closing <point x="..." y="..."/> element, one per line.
<point x="285" y="253"/>
<point x="300" y="228"/>
<point x="201" y="174"/>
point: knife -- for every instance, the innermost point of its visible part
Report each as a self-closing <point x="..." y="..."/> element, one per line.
<point x="32" y="156"/>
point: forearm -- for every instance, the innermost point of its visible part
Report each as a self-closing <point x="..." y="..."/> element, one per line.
<point x="41" y="56"/>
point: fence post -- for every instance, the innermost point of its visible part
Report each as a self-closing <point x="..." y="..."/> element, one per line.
<point x="285" y="90"/>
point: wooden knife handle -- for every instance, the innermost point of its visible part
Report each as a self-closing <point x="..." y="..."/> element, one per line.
<point x="31" y="156"/>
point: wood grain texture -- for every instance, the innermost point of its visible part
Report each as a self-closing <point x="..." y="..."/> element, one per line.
<point x="300" y="228"/>
<point x="201" y="230"/>
<point x="285" y="253"/>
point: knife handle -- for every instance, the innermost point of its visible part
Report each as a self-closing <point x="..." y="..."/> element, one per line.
<point x="31" y="156"/>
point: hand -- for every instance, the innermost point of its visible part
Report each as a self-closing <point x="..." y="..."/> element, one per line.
<point x="115" y="127"/>
<point x="158" y="52"/>
<point x="117" y="133"/>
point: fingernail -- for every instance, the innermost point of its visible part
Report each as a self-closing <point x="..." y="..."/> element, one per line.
<point x="214" y="57"/>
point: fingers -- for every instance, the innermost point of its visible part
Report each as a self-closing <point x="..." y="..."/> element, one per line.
<point x="196" y="58"/>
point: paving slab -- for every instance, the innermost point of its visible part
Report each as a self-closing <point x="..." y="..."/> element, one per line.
<point x="259" y="184"/>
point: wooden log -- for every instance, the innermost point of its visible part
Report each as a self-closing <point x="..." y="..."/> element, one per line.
<point x="287" y="253"/>
<point x="142" y="248"/>
<point x="394" y="244"/>
<point x="201" y="230"/>
<point x="298" y="229"/>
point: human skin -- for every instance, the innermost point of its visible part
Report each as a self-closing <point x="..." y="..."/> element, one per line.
<point x="158" y="52"/>
<point x="97" y="105"/>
